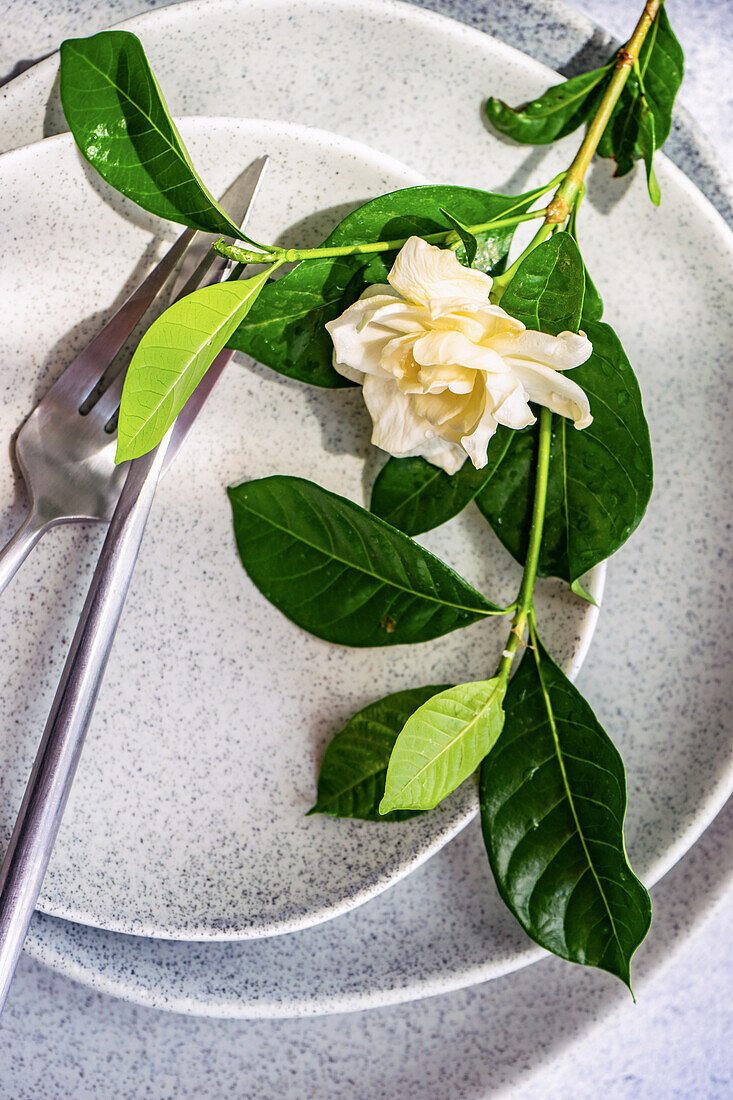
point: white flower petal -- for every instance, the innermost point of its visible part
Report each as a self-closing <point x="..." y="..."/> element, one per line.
<point x="423" y="273"/>
<point x="476" y="444"/>
<point x="398" y="428"/>
<point x="448" y="456"/>
<point x="358" y="345"/>
<point x="549" y="387"/>
<point x="563" y="352"/>
<point x="514" y="411"/>
<point x="402" y="432"/>
<point x="454" y="347"/>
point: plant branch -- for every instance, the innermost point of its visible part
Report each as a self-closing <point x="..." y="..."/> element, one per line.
<point x="567" y="195"/>
<point x="526" y="589"/>
<point x="295" y="255"/>
<point x="562" y="203"/>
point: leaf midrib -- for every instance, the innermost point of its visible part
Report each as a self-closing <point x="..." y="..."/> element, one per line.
<point x="182" y="375"/>
<point x="449" y="745"/>
<point x="587" y="88"/>
<point x="359" y="568"/>
<point x="568" y="792"/>
<point x="176" y="152"/>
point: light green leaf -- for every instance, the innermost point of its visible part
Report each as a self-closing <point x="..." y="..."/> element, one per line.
<point x="556" y="113"/>
<point x="121" y="123"/>
<point x="336" y="570"/>
<point x="172" y="358"/>
<point x="553" y="801"/>
<point x="443" y="743"/>
<point x="354" y="768"/>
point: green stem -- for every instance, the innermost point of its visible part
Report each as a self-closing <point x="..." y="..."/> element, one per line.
<point x="526" y="588"/>
<point x="562" y="202"/>
<point x="295" y="255"/>
<point x="567" y="196"/>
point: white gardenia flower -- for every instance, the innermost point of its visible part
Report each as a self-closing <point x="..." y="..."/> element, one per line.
<point x="441" y="367"/>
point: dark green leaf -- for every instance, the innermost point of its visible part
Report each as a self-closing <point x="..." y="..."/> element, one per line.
<point x="120" y="121"/>
<point x="553" y="801"/>
<point x="600" y="479"/>
<point x="661" y="68"/>
<point x="470" y="244"/>
<point x="547" y="291"/>
<point x="562" y="108"/>
<point x="285" y="330"/>
<point x="443" y="743"/>
<point x="416" y="496"/>
<point x="340" y="572"/>
<point x="172" y="358"/>
<point x="620" y="139"/>
<point x="354" y="768"/>
<point x="557" y="112"/>
<point x="592" y="301"/>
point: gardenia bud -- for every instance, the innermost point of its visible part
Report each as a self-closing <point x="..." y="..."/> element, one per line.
<point x="441" y="367"/>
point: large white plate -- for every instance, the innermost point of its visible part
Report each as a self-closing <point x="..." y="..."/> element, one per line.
<point x="188" y="816"/>
<point x="659" y="690"/>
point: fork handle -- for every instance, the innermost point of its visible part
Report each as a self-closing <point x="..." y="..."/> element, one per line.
<point x="28" y="853"/>
<point x="14" y="553"/>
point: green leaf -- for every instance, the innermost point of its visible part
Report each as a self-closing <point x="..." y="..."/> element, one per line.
<point x="343" y="574"/>
<point x="416" y="496"/>
<point x="556" y="113"/>
<point x="660" y="72"/>
<point x="547" y="290"/>
<point x="172" y="358"/>
<point x="564" y="107"/>
<point x="120" y="121"/>
<point x="647" y="145"/>
<point x="592" y="301"/>
<point x="443" y="743"/>
<point x="553" y="801"/>
<point x="600" y="479"/>
<point x="470" y="244"/>
<point x="354" y="768"/>
<point x="286" y="330"/>
<point x="620" y="139"/>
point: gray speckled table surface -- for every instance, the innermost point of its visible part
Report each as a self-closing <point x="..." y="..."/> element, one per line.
<point x="549" y="1030"/>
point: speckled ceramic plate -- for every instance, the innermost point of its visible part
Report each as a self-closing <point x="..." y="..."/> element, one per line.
<point x="187" y="819"/>
<point x="656" y="682"/>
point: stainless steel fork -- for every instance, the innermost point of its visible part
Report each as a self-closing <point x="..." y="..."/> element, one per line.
<point x="26" y="859"/>
<point x="66" y="457"/>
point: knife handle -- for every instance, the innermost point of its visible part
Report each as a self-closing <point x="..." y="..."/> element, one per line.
<point x="26" y="859"/>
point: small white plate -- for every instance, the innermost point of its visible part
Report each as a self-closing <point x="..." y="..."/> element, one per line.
<point x="188" y="816"/>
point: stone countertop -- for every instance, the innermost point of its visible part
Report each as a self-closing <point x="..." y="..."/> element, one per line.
<point x="550" y="1030"/>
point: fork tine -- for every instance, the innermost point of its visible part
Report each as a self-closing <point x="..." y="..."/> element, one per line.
<point x="91" y="363"/>
<point x="108" y="404"/>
